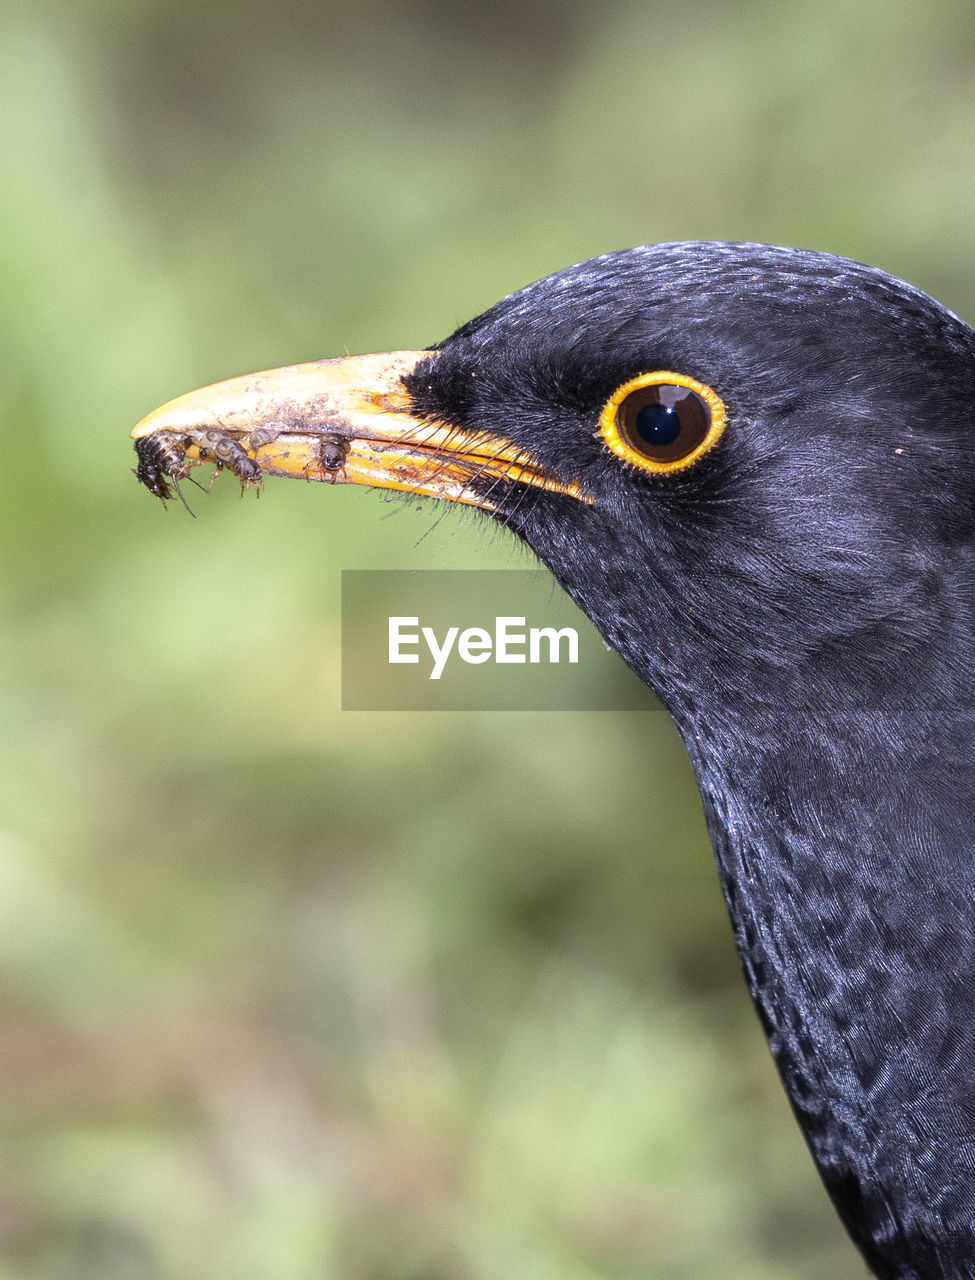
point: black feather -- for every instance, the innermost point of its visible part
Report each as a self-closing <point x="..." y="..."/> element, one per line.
<point x="801" y="599"/>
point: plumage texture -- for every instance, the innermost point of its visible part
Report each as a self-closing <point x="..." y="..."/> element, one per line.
<point x="801" y="599"/>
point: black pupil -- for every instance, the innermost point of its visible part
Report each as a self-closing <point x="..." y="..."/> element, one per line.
<point x="665" y="422"/>
<point x="658" y="424"/>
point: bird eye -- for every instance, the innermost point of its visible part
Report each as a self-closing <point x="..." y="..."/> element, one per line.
<point x="662" y="421"/>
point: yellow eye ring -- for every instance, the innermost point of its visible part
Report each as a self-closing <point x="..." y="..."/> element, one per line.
<point x="662" y="422"/>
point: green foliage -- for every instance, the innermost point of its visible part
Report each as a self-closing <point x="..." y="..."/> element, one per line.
<point x="293" y="993"/>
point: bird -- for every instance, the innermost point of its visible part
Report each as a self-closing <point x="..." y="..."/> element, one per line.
<point x="753" y="467"/>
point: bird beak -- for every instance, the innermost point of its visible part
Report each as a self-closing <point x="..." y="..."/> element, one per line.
<point x="344" y="421"/>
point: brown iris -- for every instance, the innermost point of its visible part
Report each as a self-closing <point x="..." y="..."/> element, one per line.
<point x="662" y="421"/>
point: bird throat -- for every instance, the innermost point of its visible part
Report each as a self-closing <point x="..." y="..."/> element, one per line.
<point x="849" y="903"/>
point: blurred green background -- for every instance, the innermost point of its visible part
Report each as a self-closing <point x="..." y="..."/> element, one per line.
<point x="291" y="993"/>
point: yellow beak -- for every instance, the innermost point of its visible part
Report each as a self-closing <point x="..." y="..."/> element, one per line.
<point x="344" y="421"/>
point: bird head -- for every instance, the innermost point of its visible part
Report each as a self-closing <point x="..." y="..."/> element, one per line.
<point x="747" y="464"/>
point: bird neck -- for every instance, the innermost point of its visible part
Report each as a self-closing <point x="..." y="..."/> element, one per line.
<point x="838" y="795"/>
<point x="844" y="848"/>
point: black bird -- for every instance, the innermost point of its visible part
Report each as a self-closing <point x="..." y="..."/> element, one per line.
<point x="754" y="469"/>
